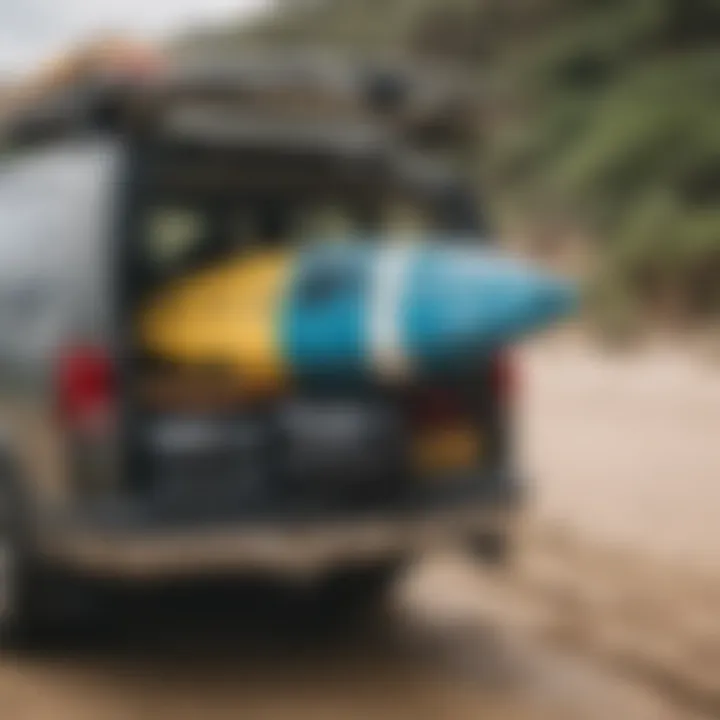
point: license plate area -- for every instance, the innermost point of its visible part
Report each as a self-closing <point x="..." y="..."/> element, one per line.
<point x="340" y="442"/>
<point x="204" y="466"/>
<point x="188" y="436"/>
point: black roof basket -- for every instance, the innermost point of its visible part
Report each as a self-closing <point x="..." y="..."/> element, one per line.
<point x="67" y="111"/>
<point x="421" y="112"/>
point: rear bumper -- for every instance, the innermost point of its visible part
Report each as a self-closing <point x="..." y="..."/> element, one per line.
<point x="278" y="548"/>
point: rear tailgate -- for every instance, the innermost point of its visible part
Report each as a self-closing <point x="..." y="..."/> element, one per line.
<point x="196" y="455"/>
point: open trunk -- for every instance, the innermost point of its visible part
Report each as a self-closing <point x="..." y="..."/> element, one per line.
<point x="199" y="445"/>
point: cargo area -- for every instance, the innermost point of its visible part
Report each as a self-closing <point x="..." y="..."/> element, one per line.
<point x="200" y="441"/>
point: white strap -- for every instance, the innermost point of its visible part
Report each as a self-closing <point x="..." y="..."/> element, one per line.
<point x="388" y="356"/>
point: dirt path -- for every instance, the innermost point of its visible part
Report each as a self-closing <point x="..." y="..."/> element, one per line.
<point x="626" y="450"/>
<point x="622" y="557"/>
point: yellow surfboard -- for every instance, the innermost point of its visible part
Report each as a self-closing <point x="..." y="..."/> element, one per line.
<point x="227" y="315"/>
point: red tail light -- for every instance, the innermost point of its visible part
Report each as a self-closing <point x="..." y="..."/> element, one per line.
<point x="436" y="406"/>
<point x="503" y="377"/>
<point x="85" y="387"/>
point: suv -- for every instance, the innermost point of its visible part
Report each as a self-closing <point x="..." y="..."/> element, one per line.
<point x="116" y="464"/>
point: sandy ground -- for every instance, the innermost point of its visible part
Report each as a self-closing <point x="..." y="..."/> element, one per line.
<point x="611" y="611"/>
<point x="626" y="449"/>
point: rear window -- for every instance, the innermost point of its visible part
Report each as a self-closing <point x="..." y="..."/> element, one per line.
<point x="177" y="236"/>
<point x="200" y="205"/>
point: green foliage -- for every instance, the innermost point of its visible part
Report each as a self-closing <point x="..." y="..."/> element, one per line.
<point x="620" y="126"/>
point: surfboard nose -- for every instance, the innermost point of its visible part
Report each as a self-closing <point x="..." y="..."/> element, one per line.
<point x="525" y="301"/>
<point x="554" y="298"/>
<point x="460" y="304"/>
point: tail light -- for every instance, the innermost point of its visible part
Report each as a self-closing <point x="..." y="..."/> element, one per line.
<point x="443" y="405"/>
<point x="436" y="407"/>
<point x="503" y="377"/>
<point x="85" y="388"/>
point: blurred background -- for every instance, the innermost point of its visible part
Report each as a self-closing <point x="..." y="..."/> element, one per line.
<point x="590" y="131"/>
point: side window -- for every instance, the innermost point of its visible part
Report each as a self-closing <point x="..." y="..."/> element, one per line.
<point x="54" y="207"/>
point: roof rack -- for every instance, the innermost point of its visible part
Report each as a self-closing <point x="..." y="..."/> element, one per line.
<point x="102" y="87"/>
<point x="71" y="93"/>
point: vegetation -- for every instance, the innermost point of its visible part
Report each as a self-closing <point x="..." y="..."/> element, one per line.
<point x="600" y="113"/>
